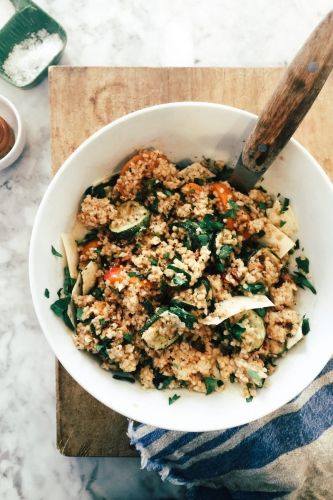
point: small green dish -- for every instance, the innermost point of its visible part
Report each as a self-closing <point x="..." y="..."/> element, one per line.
<point x="28" y="19"/>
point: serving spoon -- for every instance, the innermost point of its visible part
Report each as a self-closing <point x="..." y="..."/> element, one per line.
<point x="286" y="108"/>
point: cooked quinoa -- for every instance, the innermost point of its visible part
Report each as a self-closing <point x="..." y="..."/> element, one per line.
<point x="167" y="251"/>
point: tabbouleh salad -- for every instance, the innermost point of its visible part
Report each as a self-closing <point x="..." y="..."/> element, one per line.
<point x="177" y="280"/>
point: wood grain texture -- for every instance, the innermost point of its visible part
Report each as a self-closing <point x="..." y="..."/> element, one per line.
<point x="85" y="99"/>
<point x="291" y="100"/>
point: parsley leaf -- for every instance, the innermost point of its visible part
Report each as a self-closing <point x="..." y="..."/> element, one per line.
<point x="173" y="399"/>
<point x="128" y="338"/>
<point x="181" y="277"/>
<point x="60" y="306"/>
<point x="79" y="312"/>
<point x="91" y="236"/>
<point x="282" y="223"/>
<point x="305" y="326"/>
<point x="103" y="322"/>
<point x="153" y="261"/>
<point x="55" y="252"/>
<point x="262" y="206"/>
<point x="148" y="306"/>
<point x="133" y="274"/>
<point x="255" y="287"/>
<point x="184" y="316"/>
<point x="261" y="311"/>
<point x="303" y="282"/>
<point x="125" y="376"/>
<point x="68" y="282"/>
<point x="47" y="293"/>
<point x="232" y="212"/>
<point x="285" y="206"/>
<point x="161" y="381"/>
<point x="210" y="223"/>
<point x="236" y="330"/>
<point x="303" y="264"/>
<point x="211" y="384"/>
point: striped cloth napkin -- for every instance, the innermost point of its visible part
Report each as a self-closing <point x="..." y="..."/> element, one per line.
<point x="287" y="454"/>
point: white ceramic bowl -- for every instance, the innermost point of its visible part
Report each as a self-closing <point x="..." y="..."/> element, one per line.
<point x="188" y="130"/>
<point x="9" y="112"/>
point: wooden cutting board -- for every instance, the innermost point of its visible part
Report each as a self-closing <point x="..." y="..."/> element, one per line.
<point x="85" y="99"/>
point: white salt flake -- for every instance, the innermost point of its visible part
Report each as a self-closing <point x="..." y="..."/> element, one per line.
<point x="7" y="10"/>
<point x="31" y="56"/>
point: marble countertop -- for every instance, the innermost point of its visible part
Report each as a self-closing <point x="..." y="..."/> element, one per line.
<point x="117" y="33"/>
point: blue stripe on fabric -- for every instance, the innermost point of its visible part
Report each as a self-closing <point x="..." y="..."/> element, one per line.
<point x="204" y="493"/>
<point x="255" y="495"/>
<point x="148" y="439"/>
<point x="184" y="439"/>
<point x="209" y="445"/>
<point x="271" y="441"/>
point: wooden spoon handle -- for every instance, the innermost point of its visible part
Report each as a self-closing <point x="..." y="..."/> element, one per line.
<point x="292" y="98"/>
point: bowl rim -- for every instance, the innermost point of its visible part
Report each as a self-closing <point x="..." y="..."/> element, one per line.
<point x="131" y="412"/>
<point x="14" y="153"/>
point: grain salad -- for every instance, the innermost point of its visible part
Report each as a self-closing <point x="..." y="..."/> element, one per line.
<point x="177" y="280"/>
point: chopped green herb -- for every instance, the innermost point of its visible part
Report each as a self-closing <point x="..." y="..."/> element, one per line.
<point x="183" y="164"/>
<point x="79" y="312"/>
<point x="232" y="378"/>
<point x="167" y="192"/>
<point x="303" y="282"/>
<point x="260" y="234"/>
<point x="186" y="317"/>
<point x="297" y="245"/>
<point x="225" y="251"/>
<point x="97" y="250"/>
<point x="262" y="205"/>
<point x="133" y="274"/>
<point x="236" y="330"/>
<point x="282" y="223"/>
<point x="232" y="212"/>
<point x="67" y="321"/>
<point x="59" y="292"/>
<point x="285" y="206"/>
<point x="249" y="399"/>
<point x="179" y="280"/>
<point x="91" y="236"/>
<point x="166" y="255"/>
<point x="60" y="306"/>
<point x="173" y="399"/>
<point x="303" y="264"/>
<point x="99" y="191"/>
<point x="161" y="381"/>
<point x="261" y="311"/>
<point x="210" y="223"/>
<point x="211" y="384"/>
<point x="181" y="277"/>
<point x="47" y="293"/>
<point x="68" y="282"/>
<point x="148" y="306"/>
<point x="305" y="326"/>
<point x="97" y="293"/>
<point x="92" y="328"/>
<point x="153" y="261"/>
<point x="128" y="338"/>
<point x="103" y="322"/>
<point x="55" y="252"/>
<point x="255" y="287"/>
<point x="127" y="377"/>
